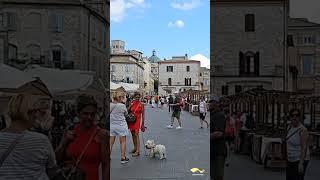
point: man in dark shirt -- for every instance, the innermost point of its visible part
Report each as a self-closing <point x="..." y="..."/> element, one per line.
<point x="176" y="111"/>
<point x="217" y="139"/>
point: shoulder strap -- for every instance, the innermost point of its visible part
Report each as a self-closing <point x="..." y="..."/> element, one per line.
<point x="82" y="153"/>
<point x="287" y="138"/>
<point x="10" y="149"/>
<point x="137" y="107"/>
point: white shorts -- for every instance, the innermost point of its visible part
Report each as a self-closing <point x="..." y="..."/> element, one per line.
<point x="116" y="130"/>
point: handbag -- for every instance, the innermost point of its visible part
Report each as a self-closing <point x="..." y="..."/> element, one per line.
<point x="10" y="149"/>
<point x="71" y="172"/>
<point x="130" y="117"/>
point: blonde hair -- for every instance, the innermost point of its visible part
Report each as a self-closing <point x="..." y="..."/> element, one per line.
<point x="118" y="95"/>
<point x="20" y="106"/>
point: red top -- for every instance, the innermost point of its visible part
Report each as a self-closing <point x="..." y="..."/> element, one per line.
<point x="229" y="131"/>
<point x="92" y="157"/>
<point x="137" y="108"/>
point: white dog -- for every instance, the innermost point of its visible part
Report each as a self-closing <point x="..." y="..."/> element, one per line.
<point x="156" y="149"/>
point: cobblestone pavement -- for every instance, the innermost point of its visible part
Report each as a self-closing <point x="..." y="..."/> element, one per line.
<point x="242" y="167"/>
<point x="186" y="148"/>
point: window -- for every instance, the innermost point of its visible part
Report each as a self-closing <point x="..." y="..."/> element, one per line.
<point x="116" y="46"/>
<point x="200" y="74"/>
<point x="290" y="40"/>
<point x="187" y="81"/>
<point x="169" y="82"/>
<point x="249" y="64"/>
<point x="113" y="78"/>
<point x="206" y="82"/>
<point x="56" y="22"/>
<point x="249" y="23"/>
<point x="224" y="90"/>
<point x="128" y="80"/>
<point x="169" y="68"/>
<point x="104" y="37"/>
<point x="13" y="51"/>
<point x="113" y="68"/>
<point x="188" y="68"/>
<point x="309" y="40"/>
<point x="56" y="58"/>
<point x="237" y="89"/>
<point x="127" y="68"/>
<point x="307" y="64"/>
<point x="1" y="20"/>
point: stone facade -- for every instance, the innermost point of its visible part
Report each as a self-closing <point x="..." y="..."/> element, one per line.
<point x="178" y="75"/>
<point x="71" y="34"/>
<point x="205" y="79"/>
<point x="148" y="80"/>
<point x="126" y="68"/>
<point x="243" y="58"/>
<point x="304" y="56"/>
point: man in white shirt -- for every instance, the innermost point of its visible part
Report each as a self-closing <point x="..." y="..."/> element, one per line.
<point x="203" y="112"/>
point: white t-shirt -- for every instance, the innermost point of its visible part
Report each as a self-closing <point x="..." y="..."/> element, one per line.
<point x="202" y="107"/>
<point x="117" y="116"/>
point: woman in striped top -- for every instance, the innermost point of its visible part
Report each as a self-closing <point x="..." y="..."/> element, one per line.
<point x="32" y="154"/>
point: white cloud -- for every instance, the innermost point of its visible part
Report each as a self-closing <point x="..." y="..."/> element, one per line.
<point x="119" y="8"/>
<point x="185" y="5"/>
<point x="177" y="24"/>
<point x="205" y="62"/>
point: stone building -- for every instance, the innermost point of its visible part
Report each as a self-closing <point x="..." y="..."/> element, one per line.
<point x="178" y="74"/>
<point x="204" y="79"/>
<point x="154" y="60"/>
<point x="126" y="68"/>
<point x="69" y="34"/>
<point x="304" y="56"/>
<point x="148" y="80"/>
<point x="126" y="65"/>
<point x="248" y="40"/>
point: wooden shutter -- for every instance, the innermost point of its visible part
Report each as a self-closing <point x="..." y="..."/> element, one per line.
<point x="257" y="64"/>
<point x="59" y="22"/>
<point x="241" y="64"/>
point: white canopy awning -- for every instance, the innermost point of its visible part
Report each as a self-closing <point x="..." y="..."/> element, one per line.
<point x="59" y="81"/>
<point x="12" y="78"/>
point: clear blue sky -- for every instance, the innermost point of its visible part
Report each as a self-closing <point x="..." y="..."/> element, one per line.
<point x="145" y="25"/>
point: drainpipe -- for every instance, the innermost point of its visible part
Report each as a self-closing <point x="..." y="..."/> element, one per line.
<point x="285" y="75"/>
<point x="89" y="33"/>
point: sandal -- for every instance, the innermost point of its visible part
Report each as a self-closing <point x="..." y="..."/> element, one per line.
<point x="133" y="151"/>
<point x="136" y="154"/>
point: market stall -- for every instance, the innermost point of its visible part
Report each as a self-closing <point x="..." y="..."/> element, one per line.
<point x="270" y="109"/>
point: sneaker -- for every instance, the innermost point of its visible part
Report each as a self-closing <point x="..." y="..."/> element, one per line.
<point x="179" y="127"/>
<point x="170" y="126"/>
<point x="125" y="160"/>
